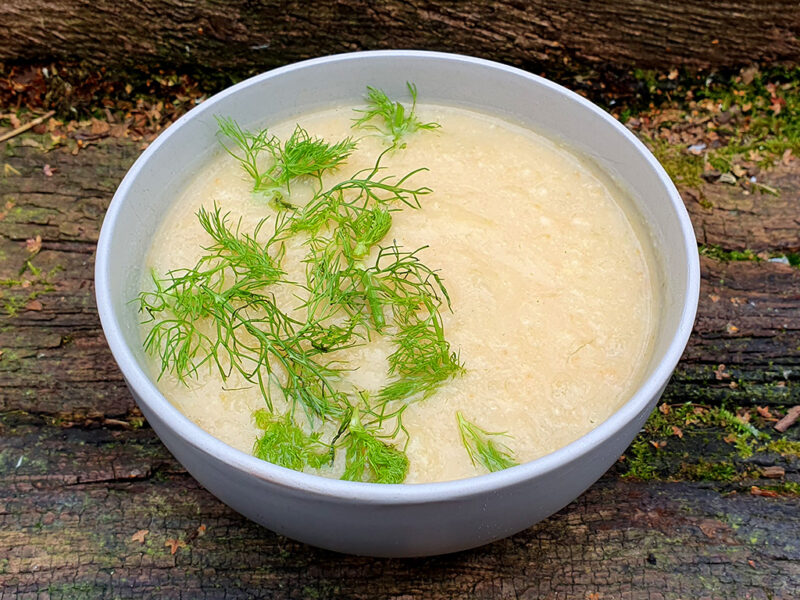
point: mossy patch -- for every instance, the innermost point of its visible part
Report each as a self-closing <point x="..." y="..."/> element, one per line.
<point x="785" y="488"/>
<point x="771" y="99"/>
<point x="783" y="447"/>
<point x="717" y="253"/>
<point x="702" y="443"/>
<point x="685" y="169"/>
<point x="30" y="283"/>
<point x="724" y="128"/>
<point x="703" y="470"/>
<point x="74" y="591"/>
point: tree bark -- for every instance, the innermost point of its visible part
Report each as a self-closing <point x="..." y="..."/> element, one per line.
<point x="742" y="220"/>
<point x="246" y="35"/>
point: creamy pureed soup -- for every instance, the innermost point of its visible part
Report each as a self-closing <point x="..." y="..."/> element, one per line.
<point x="551" y="287"/>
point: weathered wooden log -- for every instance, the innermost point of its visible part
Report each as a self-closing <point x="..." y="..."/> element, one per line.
<point x="243" y="35"/>
<point x="70" y="506"/>
<point x="55" y="359"/>
<point x="745" y="219"/>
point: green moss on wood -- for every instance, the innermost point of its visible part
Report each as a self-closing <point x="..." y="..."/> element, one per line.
<point x="717" y="253"/>
<point x="704" y="470"/>
<point x="784" y="447"/>
<point x="701" y="443"/>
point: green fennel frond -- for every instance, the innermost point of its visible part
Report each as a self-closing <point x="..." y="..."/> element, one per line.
<point x="247" y="147"/>
<point x="368" y="458"/>
<point x="299" y="156"/>
<point x="284" y="443"/>
<point x="363" y="191"/>
<point x="482" y="448"/>
<point x="421" y="362"/>
<point x="223" y="313"/>
<point x="395" y="121"/>
<point x="225" y="281"/>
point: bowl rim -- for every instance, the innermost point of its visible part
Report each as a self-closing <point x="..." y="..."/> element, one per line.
<point x="375" y="493"/>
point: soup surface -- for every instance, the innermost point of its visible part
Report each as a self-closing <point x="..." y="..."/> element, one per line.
<point x="551" y="287"/>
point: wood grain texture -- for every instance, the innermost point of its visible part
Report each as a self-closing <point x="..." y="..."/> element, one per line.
<point x="247" y="35"/>
<point x="71" y="501"/>
<point x="56" y="360"/>
<point x="76" y="482"/>
<point x="750" y="220"/>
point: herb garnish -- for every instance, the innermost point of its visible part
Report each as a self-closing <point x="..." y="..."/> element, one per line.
<point x="491" y="453"/>
<point x="396" y="122"/>
<point x="284" y="443"/>
<point x="223" y="313"/>
<point x="298" y="156"/>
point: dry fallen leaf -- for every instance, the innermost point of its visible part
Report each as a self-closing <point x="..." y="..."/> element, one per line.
<point x="119" y="130"/>
<point x="139" y="535"/>
<point x="677" y="431"/>
<point x="748" y="74"/>
<point x="33" y="245"/>
<point x="99" y="127"/>
<point x="711" y="528"/>
<point x="792" y="415"/>
<point x="764" y="412"/>
<point x="773" y="472"/>
<point x="738" y="170"/>
<point x="9" y="170"/>
<point x="196" y="533"/>
<point x="34" y="305"/>
<point x="173" y="545"/>
<point x="757" y="491"/>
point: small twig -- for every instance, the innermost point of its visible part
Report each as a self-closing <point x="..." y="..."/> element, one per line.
<point x="788" y="420"/>
<point x="116" y="423"/>
<point x="24" y="128"/>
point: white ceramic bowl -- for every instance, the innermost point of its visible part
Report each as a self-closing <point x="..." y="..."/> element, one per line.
<point x="375" y="519"/>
